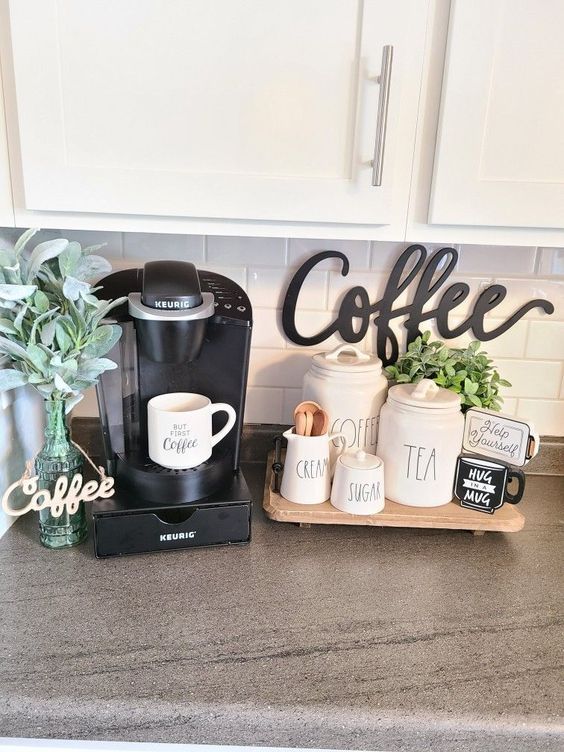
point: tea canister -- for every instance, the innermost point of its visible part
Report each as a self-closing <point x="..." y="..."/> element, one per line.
<point x="351" y="388"/>
<point x="421" y="428"/>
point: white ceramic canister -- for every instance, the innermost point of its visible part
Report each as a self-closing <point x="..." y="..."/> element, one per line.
<point x="350" y="386"/>
<point x="421" y="428"/>
<point x="307" y="467"/>
<point x="358" y="485"/>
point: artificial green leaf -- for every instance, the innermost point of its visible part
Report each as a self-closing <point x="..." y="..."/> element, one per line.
<point x="92" y="266"/>
<point x="503" y="382"/>
<point x="72" y="401"/>
<point x="41" y="301"/>
<point x="16" y="292"/>
<point x="38" y="358"/>
<point x="62" y="386"/>
<point x="7" y="326"/>
<point x="102" y="341"/>
<point x="46" y="390"/>
<point x="10" y="379"/>
<point x="72" y="288"/>
<point x="18" y="321"/>
<point x="43" y="252"/>
<point x="476" y="401"/>
<point x="36" y="324"/>
<point x="13" y="349"/>
<point x="47" y="333"/>
<point x="69" y="259"/>
<point x="22" y="241"/>
<point x="62" y="336"/>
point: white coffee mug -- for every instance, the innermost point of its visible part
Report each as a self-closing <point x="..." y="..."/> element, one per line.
<point x="179" y="429"/>
<point x="358" y="485"/>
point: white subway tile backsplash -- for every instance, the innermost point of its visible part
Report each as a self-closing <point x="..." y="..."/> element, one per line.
<point x="530" y="354"/>
<point x="546" y="415"/>
<point x="528" y="377"/>
<point x="254" y="251"/>
<point x="510" y="405"/>
<point x="150" y="246"/>
<point x="520" y="291"/>
<point x="236" y="273"/>
<point x="546" y="340"/>
<point x="279" y="368"/>
<point x="267" y="328"/>
<point x="292" y="397"/>
<point x="357" y="252"/>
<point x="510" y="344"/>
<point x="263" y="405"/>
<point x="383" y="255"/>
<point x="500" y="259"/>
<point x="310" y="323"/>
<point x="550" y="261"/>
<point x="267" y="288"/>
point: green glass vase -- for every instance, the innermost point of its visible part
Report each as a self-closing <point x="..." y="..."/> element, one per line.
<point x="59" y="457"/>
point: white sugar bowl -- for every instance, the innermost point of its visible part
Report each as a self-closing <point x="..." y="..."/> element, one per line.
<point x="358" y="485"/>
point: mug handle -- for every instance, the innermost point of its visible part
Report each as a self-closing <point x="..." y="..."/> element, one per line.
<point x="216" y="408"/>
<point x="518" y="495"/>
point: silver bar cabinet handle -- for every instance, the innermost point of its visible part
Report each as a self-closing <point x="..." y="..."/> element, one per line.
<point x="384" y="80"/>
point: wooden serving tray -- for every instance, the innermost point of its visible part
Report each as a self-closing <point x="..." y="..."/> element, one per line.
<point x="450" y="516"/>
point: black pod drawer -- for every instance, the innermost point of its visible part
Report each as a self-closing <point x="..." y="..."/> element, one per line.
<point x="140" y="531"/>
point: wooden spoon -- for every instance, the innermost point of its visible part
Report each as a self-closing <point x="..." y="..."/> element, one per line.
<point x="320" y="423"/>
<point x="309" y="422"/>
<point x="300" y="419"/>
<point x="306" y="406"/>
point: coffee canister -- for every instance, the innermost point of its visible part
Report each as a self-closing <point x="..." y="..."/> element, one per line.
<point x="420" y="438"/>
<point x="351" y="388"/>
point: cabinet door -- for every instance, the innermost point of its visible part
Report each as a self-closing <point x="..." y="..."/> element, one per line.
<point x="500" y="149"/>
<point x="254" y="109"/>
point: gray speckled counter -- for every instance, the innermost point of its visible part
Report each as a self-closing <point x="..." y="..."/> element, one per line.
<point x="365" y="638"/>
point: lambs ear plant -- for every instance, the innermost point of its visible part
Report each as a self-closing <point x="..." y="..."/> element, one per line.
<point x="468" y="372"/>
<point x="50" y="320"/>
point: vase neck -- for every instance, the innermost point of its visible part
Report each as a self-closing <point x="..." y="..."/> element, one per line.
<point x="57" y="436"/>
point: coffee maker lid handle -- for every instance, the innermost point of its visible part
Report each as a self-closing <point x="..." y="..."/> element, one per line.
<point x="171" y="285"/>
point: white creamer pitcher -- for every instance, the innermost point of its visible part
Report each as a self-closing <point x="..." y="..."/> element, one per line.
<point x="308" y="467"/>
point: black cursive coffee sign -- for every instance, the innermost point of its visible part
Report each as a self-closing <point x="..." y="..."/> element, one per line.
<point x="356" y="305"/>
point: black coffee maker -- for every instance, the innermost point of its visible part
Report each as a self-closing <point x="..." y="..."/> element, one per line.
<point x="183" y="330"/>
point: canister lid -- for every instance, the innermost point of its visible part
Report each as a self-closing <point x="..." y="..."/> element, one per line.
<point x="424" y="394"/>
<point x="360" y="461"/>
<point x="348" y="358"/>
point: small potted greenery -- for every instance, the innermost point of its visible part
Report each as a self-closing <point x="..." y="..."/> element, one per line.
<point x="466" y="371"/>
<point x="52" y="331"/>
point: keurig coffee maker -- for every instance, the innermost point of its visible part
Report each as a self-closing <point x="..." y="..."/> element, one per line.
<point x="183" y="331"/>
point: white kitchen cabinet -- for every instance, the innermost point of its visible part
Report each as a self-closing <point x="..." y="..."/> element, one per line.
<point x="6" y="205"/>
<point x="247" y="110"/>
<point x="499" y="158"/>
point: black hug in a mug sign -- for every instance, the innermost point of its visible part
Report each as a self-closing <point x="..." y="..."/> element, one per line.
<point x="355" y="310"/>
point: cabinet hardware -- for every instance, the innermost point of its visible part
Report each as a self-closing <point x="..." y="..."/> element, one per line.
<point x="384" y="80"/>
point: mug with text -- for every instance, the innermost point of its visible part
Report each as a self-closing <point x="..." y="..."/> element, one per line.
<point x="179" y="428"/>
<point x="482" y="484"/>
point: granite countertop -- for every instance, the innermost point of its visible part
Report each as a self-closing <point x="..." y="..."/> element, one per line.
<point x="352" y="638"/>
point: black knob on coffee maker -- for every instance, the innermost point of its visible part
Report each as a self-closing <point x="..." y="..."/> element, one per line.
<point x="171" y="313"/>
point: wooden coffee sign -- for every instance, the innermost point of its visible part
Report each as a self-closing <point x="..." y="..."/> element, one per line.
<point x="356" y="310"/>
<point x="499" y="436"/>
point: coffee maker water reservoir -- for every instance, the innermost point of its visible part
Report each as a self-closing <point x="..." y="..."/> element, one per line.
<point x="183" y="330"/>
